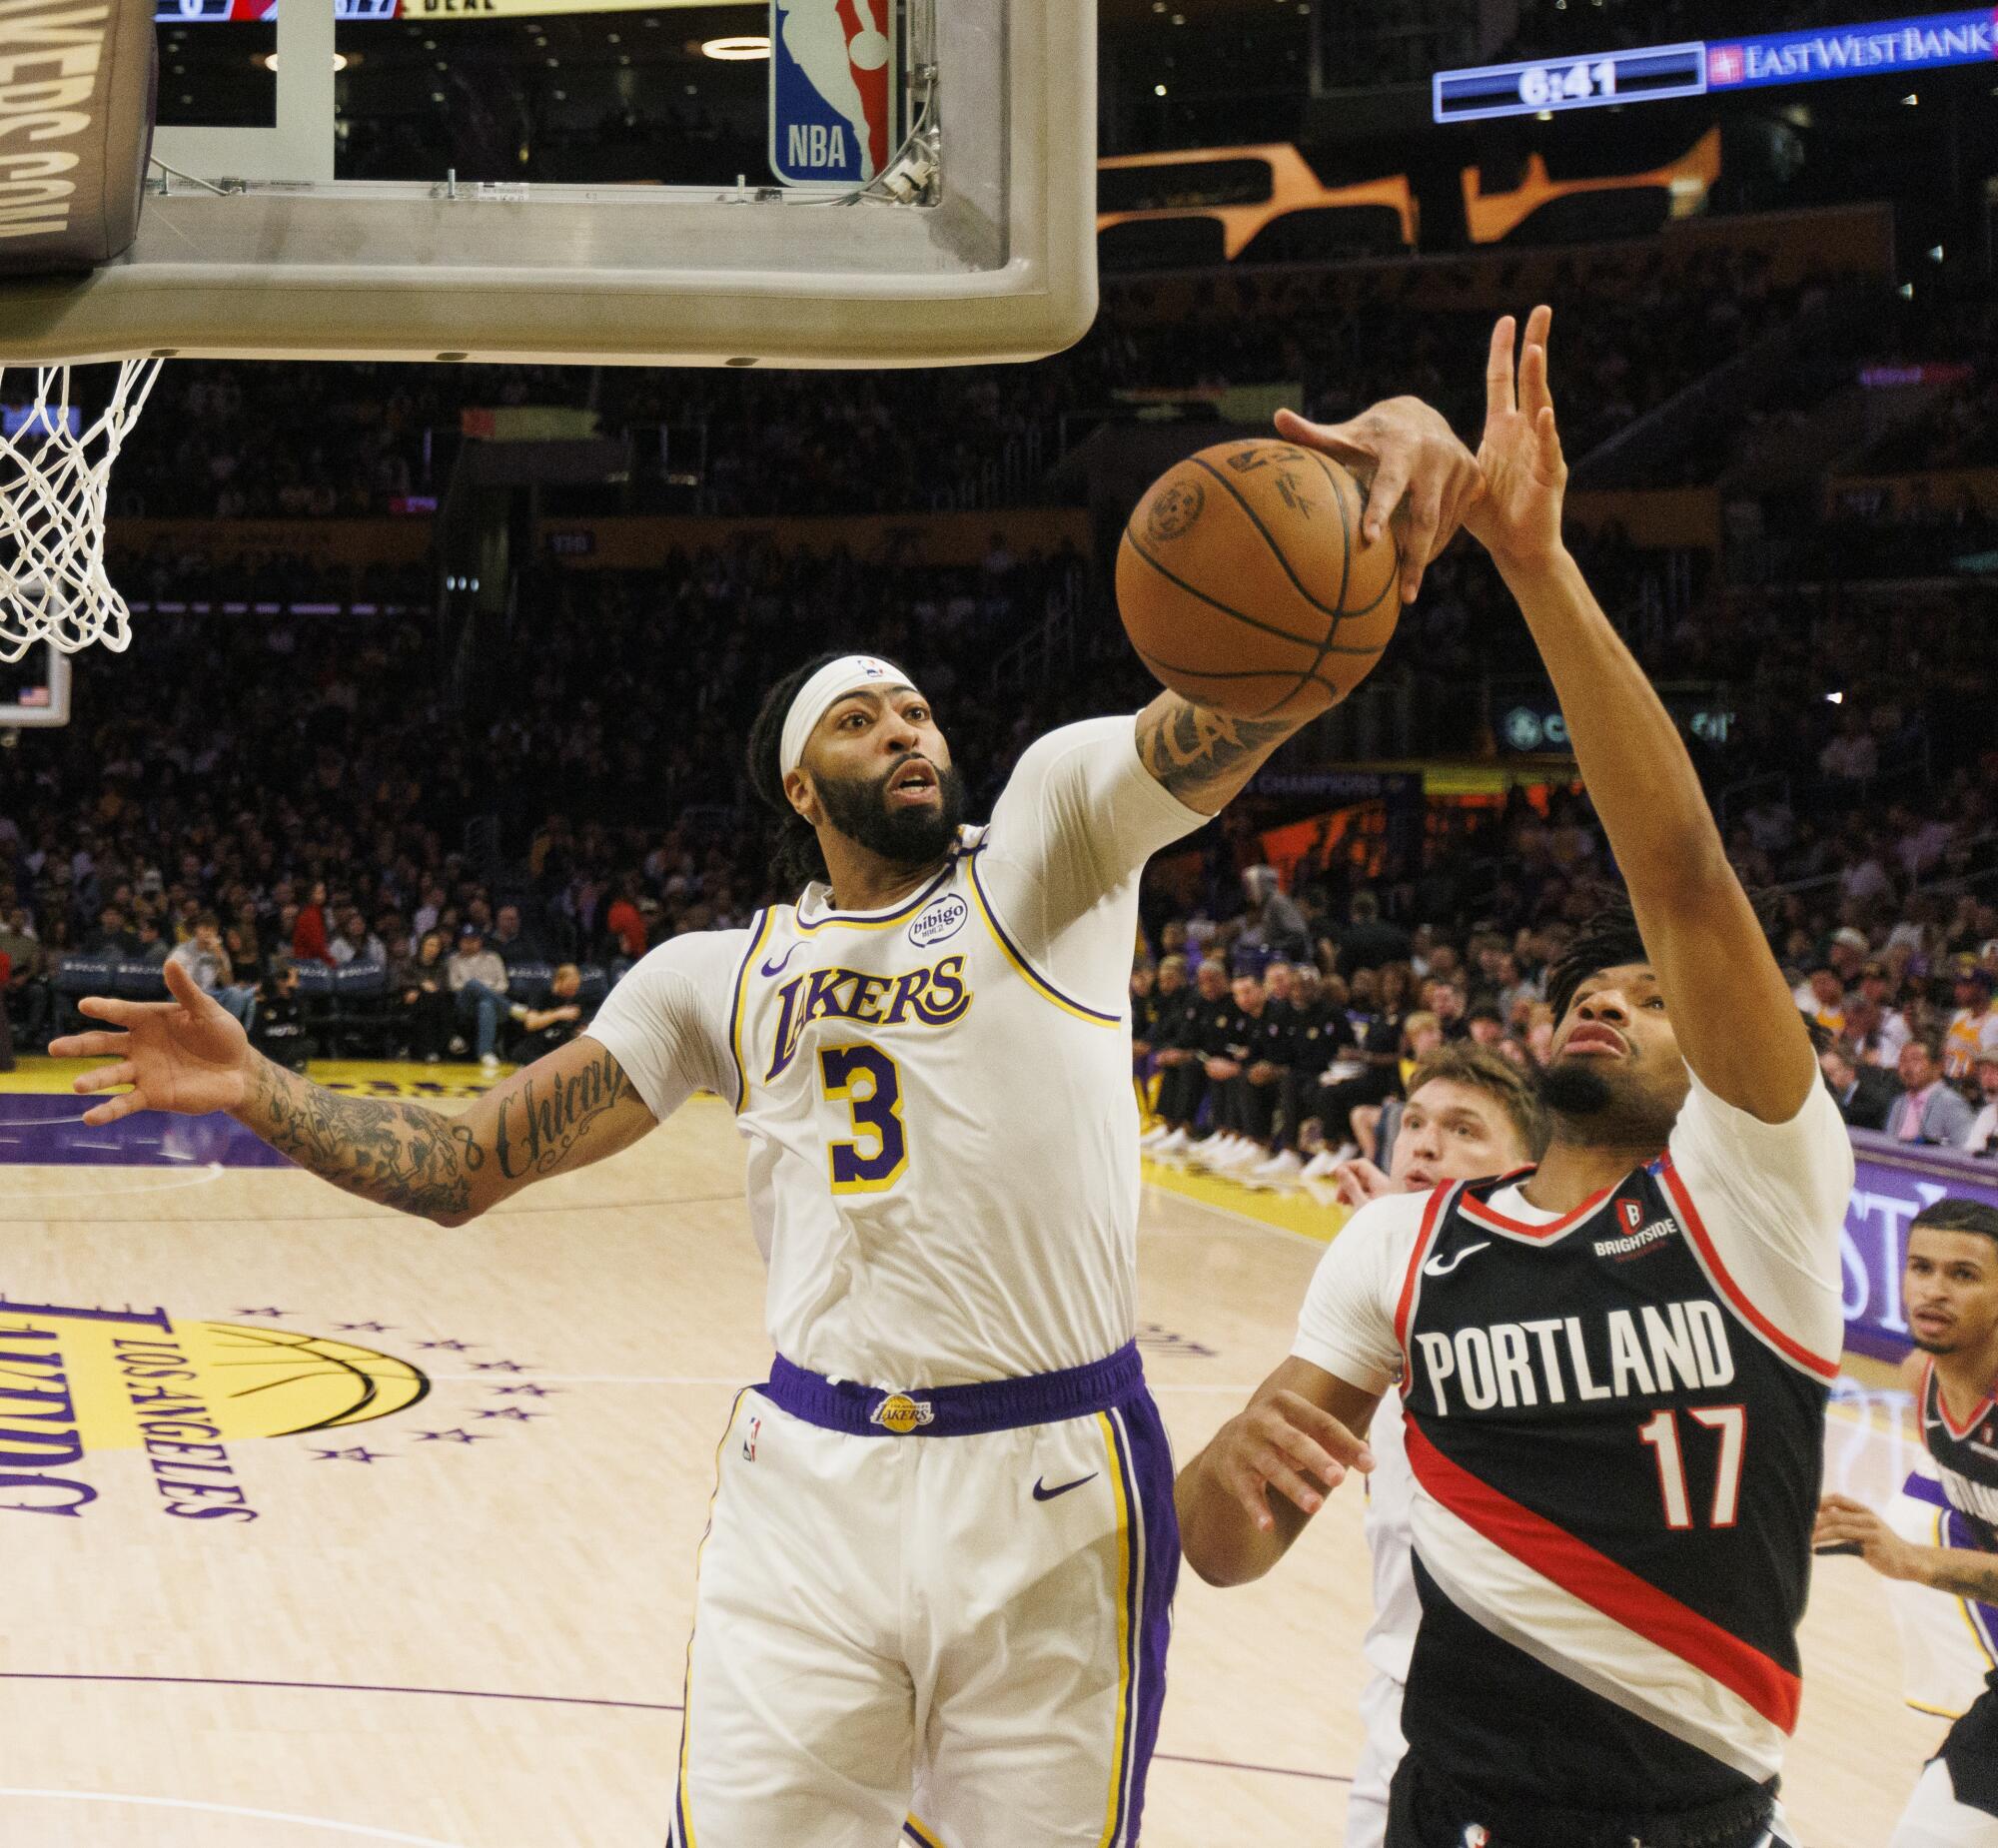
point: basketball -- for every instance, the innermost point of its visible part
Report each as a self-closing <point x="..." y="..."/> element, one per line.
<point x="1245" y="585"/>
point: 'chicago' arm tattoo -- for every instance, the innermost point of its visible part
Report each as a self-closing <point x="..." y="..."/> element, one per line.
<point x="419" y="1160"/>
<point x="1189" y="750"/>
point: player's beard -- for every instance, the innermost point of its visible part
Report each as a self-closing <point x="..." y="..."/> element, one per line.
<point x="859" y="808"/>
<point x="1604" y="1109"/>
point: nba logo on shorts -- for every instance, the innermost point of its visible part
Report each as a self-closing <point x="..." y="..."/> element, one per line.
<point x="834" y="90"/>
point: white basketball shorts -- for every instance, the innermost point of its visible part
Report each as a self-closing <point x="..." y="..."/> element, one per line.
<point x="937" y="1616"/>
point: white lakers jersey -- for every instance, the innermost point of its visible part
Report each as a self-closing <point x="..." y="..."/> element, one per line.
<point x="943" y="1162"/>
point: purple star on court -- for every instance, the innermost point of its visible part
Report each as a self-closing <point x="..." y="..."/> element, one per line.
<point x="509" y="1412"/>
<point x="360" y="1454"/>
<point x="499" y="1366"/>
<point x="526" y="1391"/>
<point x="460" y="1435"/>
<point x="363" y="1328"/>
<point x="270" y="1315"/>
<point x="450" y="1347"/>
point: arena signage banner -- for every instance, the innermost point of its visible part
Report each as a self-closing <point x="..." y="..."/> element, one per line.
<point x="1895" y="1182"/>
<point x="1887" y="46"/>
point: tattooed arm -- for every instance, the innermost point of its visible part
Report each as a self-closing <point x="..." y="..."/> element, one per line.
<point x="1202" y="757"/>
<point x="1851" y="1527"/>
<point x="190" y="1055"/>
<point x="562" y="1113"/>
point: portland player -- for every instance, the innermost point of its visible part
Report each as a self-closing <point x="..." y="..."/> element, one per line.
<point x="1944" y="1532"/>
<point x="1615" y="1370"/>
<point x="1470" y="1114"/>
<point x="942" y="1548"/>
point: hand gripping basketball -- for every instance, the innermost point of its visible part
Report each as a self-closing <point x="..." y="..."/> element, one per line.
<point x="189" y="1055"/>
<point x="1407" y="451"/>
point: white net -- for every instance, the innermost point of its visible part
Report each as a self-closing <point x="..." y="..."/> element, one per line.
<point x="55" y="466"/>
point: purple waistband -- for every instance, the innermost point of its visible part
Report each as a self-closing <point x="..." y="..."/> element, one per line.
<point x="1925" y="1489"/>
<point x="955" y="1410"/>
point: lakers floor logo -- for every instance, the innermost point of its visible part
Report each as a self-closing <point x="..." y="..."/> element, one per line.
<point x="78" y="1381"/>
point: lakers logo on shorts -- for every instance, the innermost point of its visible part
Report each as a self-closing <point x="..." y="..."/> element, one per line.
<point x="900" y="1414"/>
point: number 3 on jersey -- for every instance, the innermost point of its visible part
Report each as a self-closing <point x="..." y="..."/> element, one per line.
<point x="866" y="1079"/>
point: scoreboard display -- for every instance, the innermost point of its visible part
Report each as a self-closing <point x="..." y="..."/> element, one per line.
<point x="1711" y="67"/>
<point x="1570" y="83"/>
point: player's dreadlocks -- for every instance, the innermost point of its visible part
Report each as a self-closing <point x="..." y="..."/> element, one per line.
<point x="797" y="860"/>
<point x="1607" y="940"/>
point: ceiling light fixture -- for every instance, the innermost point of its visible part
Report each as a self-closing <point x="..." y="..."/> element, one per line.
<point x="746" y="48"/>
<point x="270" y="61"/>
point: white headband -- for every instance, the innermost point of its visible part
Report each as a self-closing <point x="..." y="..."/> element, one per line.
<point x="851" y="673"/>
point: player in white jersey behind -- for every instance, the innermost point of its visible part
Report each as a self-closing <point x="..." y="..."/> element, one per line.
<point x="1470" y="1114"/>
<point x="1942" y="1534"/>
<point x="942" y="1549"/>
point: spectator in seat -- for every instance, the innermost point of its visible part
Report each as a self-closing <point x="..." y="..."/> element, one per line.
<point x="1864" y="1093"/>
<point x="356" y="943"/>
<point x="27" y="988"/>
<point x="1873" y="1024"/>
<point x="1144" y="1020"/>
<point x="279" y="1032"/>
<point x="421" y="987"/>
<point x="308" y="939"/>
<point x="1927" y="1110"/>
<point x="511" y="942"/>
<point x="246" y="951"/>
<point x="1182" y="1070"/>
<point x="1274" y="923"/>
<point x="1368" y="941"/>
<point x="625" y="920"/>
<point x="153" y="948"/>
<point x="1242" y="1109"/>
<point x="543" y="1030"/>
<point x="1973" y="1027"/>
<point x="479" y="986"/>
<point x="112" y="937"/>
<point x="1983" y="1137"/>
<point x="1821" y="996"/>
<point x="207" y="962"/>
<point x="1485" y="1025"/>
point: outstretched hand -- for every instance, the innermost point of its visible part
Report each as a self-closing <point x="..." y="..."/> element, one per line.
<point x="1850" y="1526"/>
<point x="1407" y="450"/>
<point x="1285" y="1442"/>
<point x="189" y="1055"/>
<point x="1518" y="517"/>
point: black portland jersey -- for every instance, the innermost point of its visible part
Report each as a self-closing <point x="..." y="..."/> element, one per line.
<point x="1619" y="1458"/>
<point x="1965" y="1457"/>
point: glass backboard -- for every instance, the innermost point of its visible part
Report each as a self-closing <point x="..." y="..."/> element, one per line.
<point x="545" y="179"/>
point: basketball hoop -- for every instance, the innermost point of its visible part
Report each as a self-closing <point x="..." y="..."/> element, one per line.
<point x="54" y="471"/>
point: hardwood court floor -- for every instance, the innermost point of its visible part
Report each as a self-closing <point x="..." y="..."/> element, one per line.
<point x="459" y="1614"/>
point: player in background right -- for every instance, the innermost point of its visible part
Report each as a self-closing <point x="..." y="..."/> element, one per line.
<point x="1470" y="1114"/>
<point x="1942" y="1534"/>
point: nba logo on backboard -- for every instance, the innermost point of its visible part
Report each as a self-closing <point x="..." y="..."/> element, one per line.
<point x="1726" y="64"/>
<point x="834" y="90"/>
